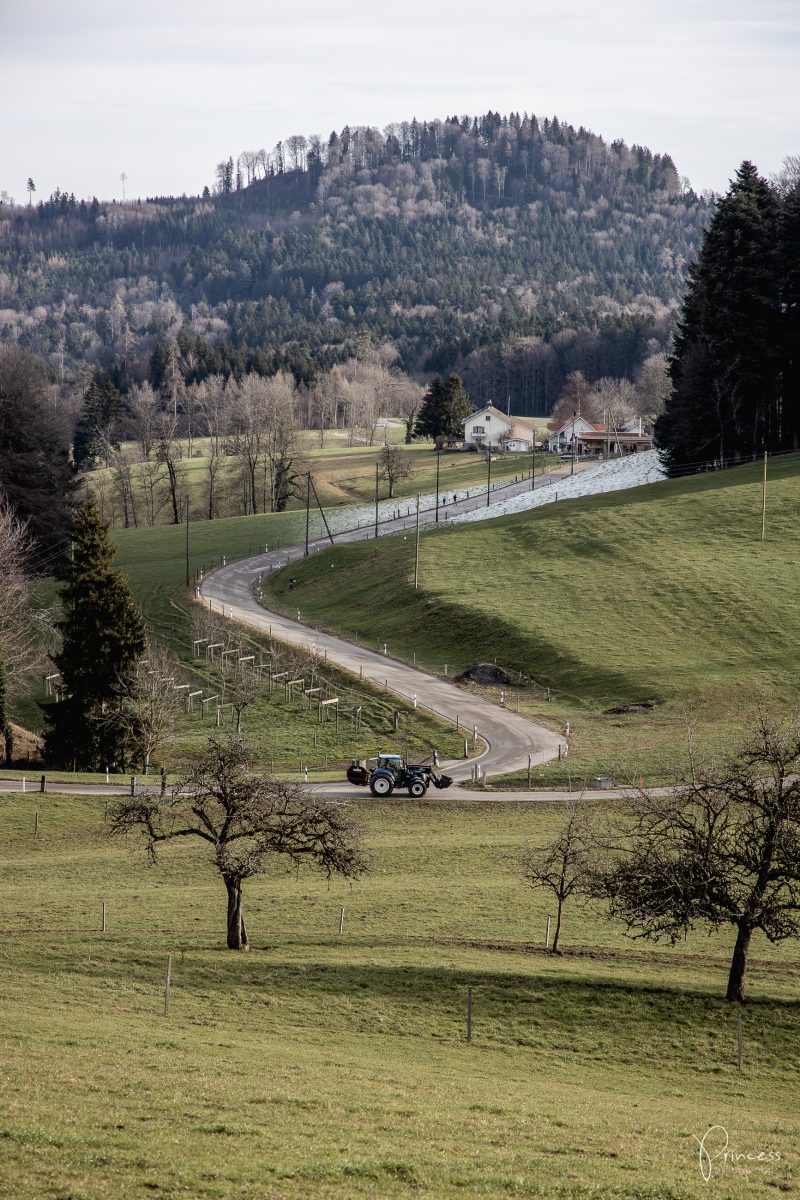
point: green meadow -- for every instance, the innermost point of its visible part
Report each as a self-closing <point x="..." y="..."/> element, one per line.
<point x="663" y="594"/>
<point x="322" y="1065"/>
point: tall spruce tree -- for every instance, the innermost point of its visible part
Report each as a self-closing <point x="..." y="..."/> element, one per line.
<point x="102" y="637"/>
<point x="725" y="402"/>
<point x="36" y="475"/>
<point x="457" y="407"/>
<point x="444" y="407"/>
<point x="790" y="306"/>
<point x="431" y="414"/>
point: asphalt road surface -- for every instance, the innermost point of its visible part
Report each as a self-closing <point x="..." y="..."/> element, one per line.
<point x="510" y="738"/>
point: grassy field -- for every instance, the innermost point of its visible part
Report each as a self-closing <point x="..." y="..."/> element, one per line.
<point x="663" y="593"/>
<point x="287" y="735"/>
<point x="343" y="474"/>
<point x="326" y="1066"/>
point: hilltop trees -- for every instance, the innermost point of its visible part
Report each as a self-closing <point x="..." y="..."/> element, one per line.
<point x="102" y="639"/>
<point x="732" y="394"/>
<point x="447" y="239"/>
<point x="249" y="822"/>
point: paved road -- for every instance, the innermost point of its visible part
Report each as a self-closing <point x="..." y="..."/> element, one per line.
<point x="342" y="791"/>
<point x="510" y="738"/>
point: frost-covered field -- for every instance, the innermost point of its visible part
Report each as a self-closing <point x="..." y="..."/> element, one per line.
<point x="612" y="476"/>
<point x="362" y="516"/>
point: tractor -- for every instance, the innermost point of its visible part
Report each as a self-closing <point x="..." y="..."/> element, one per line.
<point x="389" y="771"/>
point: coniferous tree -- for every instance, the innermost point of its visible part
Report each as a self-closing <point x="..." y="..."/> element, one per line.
<point x="102" y="637"/>
<point x="456" y="409"/>
<point x="725" y="402"/>
<point x="35" y="472"/>
<point x="790" y="305"/>
<point x="431" y="414"/>
<point x="444" y="407"/>
<point x="94" y="428"/>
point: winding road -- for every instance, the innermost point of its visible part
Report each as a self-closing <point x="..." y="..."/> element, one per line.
<point x="510" y="738"/>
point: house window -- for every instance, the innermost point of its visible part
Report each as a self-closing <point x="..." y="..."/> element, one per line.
<point x="478" y="429"/>
<point x="487" y="417"/>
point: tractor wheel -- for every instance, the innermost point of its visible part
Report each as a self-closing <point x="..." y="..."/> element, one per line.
<point x="381" y="785"/>
<point x="417" y="788"/>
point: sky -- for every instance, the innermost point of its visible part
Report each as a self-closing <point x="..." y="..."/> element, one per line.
<point x="162" y="90"/>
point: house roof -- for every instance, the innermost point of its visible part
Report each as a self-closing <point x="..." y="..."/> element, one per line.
<point x="617" y="436"/>
<point x="557" y="426"/>
<point x="488" y="408"/>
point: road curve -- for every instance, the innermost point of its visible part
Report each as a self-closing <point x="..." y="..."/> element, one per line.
<point x="510" y="738"/>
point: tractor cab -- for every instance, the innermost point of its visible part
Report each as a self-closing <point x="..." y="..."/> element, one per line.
<point x="392" y="763"/>
<point x="385" y="772"/>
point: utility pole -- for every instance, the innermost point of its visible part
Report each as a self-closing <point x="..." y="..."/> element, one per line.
<point x="416" y="552"/>
<point x="764" y="500"/>
<point x="489" y="477"/>
<point x="438" y="456"/>
<point x="308" y="509"/>
<point x="376" y="499"/>
<point x="187" y="540"/>
<point x="533" y="462"/>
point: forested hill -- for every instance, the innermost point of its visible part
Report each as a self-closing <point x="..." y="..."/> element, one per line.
<point x="510" y="248"/>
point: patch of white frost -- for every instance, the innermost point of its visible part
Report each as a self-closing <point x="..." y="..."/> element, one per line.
<point x="613" y="476"/>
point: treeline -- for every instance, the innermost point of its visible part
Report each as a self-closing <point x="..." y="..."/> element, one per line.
<point x="735" y="369"/>
<point x="246" y="434"/>
<point x="448" y="240"/>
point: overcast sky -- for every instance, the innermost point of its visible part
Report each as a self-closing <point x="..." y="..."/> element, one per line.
<point x="164" y="89"/>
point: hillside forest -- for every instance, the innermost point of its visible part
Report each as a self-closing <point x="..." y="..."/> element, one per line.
<point x="512" y="250"/>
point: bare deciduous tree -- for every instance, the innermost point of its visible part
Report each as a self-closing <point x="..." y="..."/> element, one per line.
<point x="239" y="687"/>
<point x="123" y="487"/>
<point x="394" y="464"/>
<point x="615" y="400"/>
<point x="25" y="627"/>
<point x="150" y="704"/>
<point x="144" y="406"/>
<point x="248" y="821"/>
<point x="576" y="397"/>
<point x="722" y="850"/>
<point x="563" y="865"/>
<point x="169" y="453"/>
<point x="652" y="385"/>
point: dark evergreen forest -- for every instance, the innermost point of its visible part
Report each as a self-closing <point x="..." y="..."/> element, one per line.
<point x="734" y="370"/>
<point x="510" y="249"/>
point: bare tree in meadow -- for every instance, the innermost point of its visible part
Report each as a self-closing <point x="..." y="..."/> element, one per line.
<point x="248" y="822"/>
<point x="144" y="403"/>
<point x="563" y="865"/>
<point x="393" y="465"/>
<point x="722" y="850"/>
<point x="169" y="453"/>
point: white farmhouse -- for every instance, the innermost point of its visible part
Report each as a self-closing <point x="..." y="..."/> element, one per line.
<point x="493" y="430"/>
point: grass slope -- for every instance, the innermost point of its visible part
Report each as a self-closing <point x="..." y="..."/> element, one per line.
<point x="663" y="593"/>
<point x="284" y="734"/>
<point x="320" y="1066"/>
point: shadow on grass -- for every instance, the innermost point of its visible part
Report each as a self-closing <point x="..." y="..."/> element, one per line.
<point x="578" y="1018"/>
